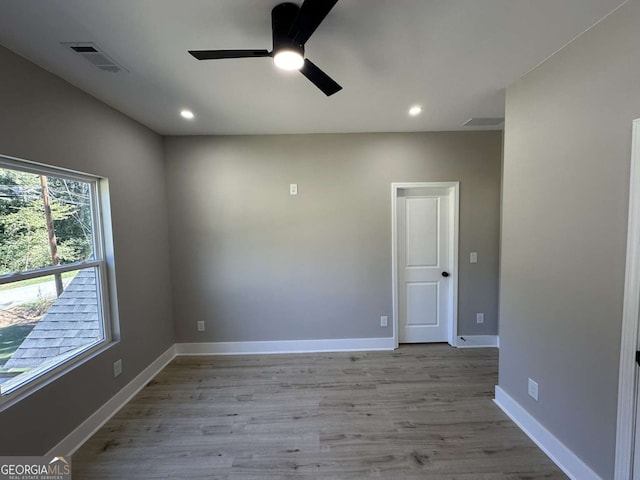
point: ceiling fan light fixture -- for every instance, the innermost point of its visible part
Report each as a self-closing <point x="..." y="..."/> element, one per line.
<point x="288" y="60"/>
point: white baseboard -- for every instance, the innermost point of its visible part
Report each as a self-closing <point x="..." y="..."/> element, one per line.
<point x="286" y="346"/>
<point x="82" y="433"/>
<point x="564" y="458"/>
<point x="477" y="341"/>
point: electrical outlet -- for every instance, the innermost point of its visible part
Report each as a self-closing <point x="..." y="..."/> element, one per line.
<point x="384" y="321"/>
<point x="293" y="189"/>
<point x="117" y="368"/>
<point x="479" y="318"/>
<point x="533" y="390"/>
<point x="201" y="325"/>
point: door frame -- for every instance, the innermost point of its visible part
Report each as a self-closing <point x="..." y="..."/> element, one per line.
<point x="454" y="216"/>
<point x="628" y="379"/>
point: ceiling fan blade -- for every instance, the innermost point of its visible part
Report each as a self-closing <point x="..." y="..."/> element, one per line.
<point x="320" y="79"/>
<point x="218" y="54"/>
<point x="311" y="14"/>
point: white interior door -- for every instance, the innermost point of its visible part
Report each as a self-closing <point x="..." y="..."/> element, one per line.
<point x="636" y="455"/>
<point x="424" y="265"/>
<point x="627" y="460"/>
<point x="636" y="448"/>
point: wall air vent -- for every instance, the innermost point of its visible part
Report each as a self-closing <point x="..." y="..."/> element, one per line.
<point x="483" y="122"/>
<point x="90" y="52"/>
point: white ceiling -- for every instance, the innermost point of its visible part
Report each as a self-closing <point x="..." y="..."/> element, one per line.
<point x="454" y="57"/>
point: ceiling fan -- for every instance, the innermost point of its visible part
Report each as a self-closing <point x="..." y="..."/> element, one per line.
<point x="292" y="25"/>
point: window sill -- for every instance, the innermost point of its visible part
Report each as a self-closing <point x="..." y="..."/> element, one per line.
<point x="42" y="379"/>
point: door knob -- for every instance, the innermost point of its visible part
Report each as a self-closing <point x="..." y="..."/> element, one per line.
<point x="445" y="274"/>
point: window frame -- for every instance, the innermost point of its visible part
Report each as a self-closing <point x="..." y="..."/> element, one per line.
<point x="102" y="262"/>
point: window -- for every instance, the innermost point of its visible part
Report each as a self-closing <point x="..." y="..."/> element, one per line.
<point x="53" y="274"/>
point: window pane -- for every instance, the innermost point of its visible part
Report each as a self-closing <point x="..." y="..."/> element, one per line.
<point x="39" y="330"/>
<point x="44" y="221"/>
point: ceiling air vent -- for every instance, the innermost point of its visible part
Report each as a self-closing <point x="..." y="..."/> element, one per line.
<point x="483" y="122"/>
<point x="90" y="52"/>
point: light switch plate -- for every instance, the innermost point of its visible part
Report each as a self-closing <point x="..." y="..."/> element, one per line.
<point x="473" y="257"/>
<point x="293" y="189"/>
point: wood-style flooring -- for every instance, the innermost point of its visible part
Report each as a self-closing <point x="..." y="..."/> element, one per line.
<point x="420" y="412"/>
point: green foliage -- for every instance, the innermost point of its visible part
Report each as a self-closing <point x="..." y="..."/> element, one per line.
<point x="24" y="241"/>
<point x="28" y="240"/>
<point x="37" y="308"/>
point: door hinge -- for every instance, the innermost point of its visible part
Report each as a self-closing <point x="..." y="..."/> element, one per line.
<point x="638" y="358"/>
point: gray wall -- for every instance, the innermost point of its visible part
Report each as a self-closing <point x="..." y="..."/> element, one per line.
<point x="44" y="119"/>
<point x="566" y="177"/>
<point x="257" y="264"/>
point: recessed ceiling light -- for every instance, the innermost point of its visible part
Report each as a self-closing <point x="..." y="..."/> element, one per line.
<point x="188" y="114"/>
<point x="415" y="110"/>
<point x="288" y="60"/>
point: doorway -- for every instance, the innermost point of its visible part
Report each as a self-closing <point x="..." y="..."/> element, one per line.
<point x="627" y="461"/>
<point x="425" y="261"/>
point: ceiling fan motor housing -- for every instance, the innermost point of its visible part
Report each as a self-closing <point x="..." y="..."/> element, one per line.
<point x="282" y="18"/>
